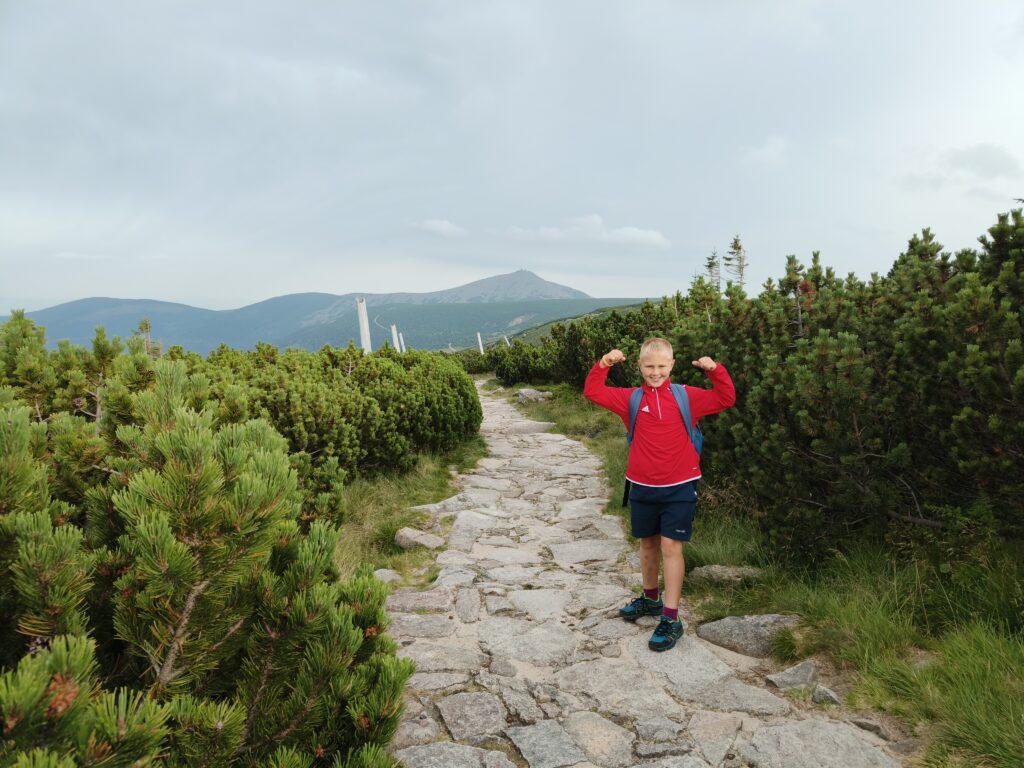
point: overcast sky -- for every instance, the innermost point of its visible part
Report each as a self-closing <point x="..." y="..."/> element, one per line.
<point x="220" y="153"/>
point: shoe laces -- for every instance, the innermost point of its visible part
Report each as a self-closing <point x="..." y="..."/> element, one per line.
<point x="664" y="626"/>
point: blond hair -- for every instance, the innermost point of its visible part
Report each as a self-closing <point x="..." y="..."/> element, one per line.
<point x="656" y="344"/>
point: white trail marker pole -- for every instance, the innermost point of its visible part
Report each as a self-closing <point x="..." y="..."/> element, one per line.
<point x="507" y="342"/>
<point x="401" y="342"/>
<point x="479" y="342"/>
<point x="364" y="326"/>
<point x="394" y="338"/>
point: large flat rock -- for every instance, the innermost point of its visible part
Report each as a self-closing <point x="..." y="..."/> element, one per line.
<point x="688" y="670"/>
<point x="621" y="689"/>
<point x="505" y="555"/>
<point x="473" y="717"/>
<point x="589" y="507"/>
<point x="812" y="744"/>
<point x="540" y="644"/>
<point x="600" y="597"/>
<point x="434" y="657"/>
<point x="417" y="625"/>
<point x="513" y="575"/>
<point x="540" y="604"/>
<point x="445" y="754"/>
<point x="450" y="682"/>
<point x="546" y="745"/>
<point x="409" y="600"/>
<point x="577" y="552"/>
<point x="734" y="695"/>
<point x="605" y="743"/>
<point x="714" y="733"/>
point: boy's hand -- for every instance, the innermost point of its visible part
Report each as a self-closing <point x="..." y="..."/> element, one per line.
<point x="706" y="364"/>
<point x="612" y="358"/>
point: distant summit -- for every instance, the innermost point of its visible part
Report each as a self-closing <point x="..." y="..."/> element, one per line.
<point x="521" y="285"/>
<point x="494" y="306"/>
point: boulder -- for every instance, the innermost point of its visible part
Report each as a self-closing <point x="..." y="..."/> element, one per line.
<point x="387" y="575"/>
<point x="410" y="538"/>
<point x="722" y="574"/>
<point x="803" y="675"/>
<point x="749" y="635"/>
<point x="527" y="395"/>
<point x="823" y="695"/>
<point x="872" y="726"/>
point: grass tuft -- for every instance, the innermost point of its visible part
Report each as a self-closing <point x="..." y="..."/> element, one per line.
<point x="375" y="508"/>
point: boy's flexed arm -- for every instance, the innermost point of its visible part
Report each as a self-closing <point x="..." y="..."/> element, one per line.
<point x="722" y="395"/>
<point x="615" y="399"/>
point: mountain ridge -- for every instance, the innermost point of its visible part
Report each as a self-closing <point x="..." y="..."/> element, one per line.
<point x="495" y="306"/>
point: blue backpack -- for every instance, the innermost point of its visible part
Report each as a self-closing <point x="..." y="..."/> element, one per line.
<point x="683" y="401"/>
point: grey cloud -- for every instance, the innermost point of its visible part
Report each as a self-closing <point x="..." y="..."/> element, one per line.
<point x="441" y="228"/>
<point x="592" y="229"/>
<point x="984" y="161"/>
<point x="995" y="197"/>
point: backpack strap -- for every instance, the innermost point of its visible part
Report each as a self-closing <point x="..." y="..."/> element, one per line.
<point x="683" y="401"/>
<point x="635" y="398"/>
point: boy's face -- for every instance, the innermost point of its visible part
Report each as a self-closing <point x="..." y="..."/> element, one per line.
<point x="655" y="366"/>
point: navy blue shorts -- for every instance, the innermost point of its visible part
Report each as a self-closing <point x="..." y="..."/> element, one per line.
<point x="667" y="511"/>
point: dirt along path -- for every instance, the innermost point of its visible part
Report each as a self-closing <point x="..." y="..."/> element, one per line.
<point x="522" y="659"/>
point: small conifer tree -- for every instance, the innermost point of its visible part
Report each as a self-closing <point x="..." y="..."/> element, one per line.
<point x="735" y="261"/>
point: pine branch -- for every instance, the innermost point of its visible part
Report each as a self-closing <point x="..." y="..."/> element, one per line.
<point x="167" y="672"/>
<point x="268" y="664"/>
<point x="109" y="471"/>
<point x="915" y="520"/>
<point x="299" y="716"/>
<point x="812" y="502"/>
<point x="213" y="648"/>
<point x="919" y="520"/>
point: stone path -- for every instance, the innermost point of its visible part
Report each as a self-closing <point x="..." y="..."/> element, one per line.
<point x="522" y="660"/>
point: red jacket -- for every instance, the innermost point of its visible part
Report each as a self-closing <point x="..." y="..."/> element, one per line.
<point x="662" y="453"/>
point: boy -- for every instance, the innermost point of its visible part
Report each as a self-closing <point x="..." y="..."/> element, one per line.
<point x="663" y="470"/>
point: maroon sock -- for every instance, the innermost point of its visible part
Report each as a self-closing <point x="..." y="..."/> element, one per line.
<point x="651" y="594"/>
<point x="672" y="614"/>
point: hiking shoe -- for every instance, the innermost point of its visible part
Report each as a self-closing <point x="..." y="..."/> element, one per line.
<point x="665" y="634"/>
<point x="641" y="606"/>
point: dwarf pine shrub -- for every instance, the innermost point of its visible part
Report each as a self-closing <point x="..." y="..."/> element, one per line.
<point x="182" y="617"/>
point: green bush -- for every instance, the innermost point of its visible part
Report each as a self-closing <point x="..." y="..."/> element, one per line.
<point x="522" y="363"/>
<point x="168" y="589"/>
<point x="472" y="361"/>
<point x="862" y="407"/>
<point x="188" y="619"/>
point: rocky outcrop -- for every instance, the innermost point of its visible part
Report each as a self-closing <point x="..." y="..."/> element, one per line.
<point x="527" y="395"/>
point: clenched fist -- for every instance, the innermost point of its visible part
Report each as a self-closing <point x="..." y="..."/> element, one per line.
<point x="612" y="358"/>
